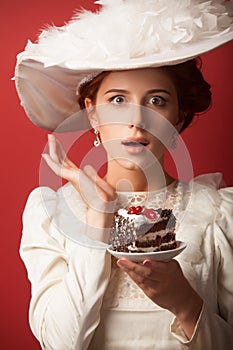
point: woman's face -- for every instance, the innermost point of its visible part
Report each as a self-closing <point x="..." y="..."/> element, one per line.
<point x="136" y="114"/>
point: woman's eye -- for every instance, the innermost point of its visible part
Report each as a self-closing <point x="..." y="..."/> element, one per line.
<point x="157" y="101"/>
<point x="117" y="99"/>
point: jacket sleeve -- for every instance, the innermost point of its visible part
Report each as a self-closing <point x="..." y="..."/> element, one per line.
<point x="68" y="280"/>
<point x="214" y="329"/>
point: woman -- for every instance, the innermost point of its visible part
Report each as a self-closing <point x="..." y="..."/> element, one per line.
<point x="81" y="297"/>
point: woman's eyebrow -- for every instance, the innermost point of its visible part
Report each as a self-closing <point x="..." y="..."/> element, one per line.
<point x="152" y="91"/>
<point x="122" y="91"/>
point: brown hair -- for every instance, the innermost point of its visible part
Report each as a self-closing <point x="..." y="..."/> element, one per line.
<point x="90" y="89"/>
<point x="194" y="95"/>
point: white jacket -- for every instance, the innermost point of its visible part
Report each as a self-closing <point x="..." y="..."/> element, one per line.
<point x="80" y="300"/>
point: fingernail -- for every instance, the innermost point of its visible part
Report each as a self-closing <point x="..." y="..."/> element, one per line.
<point x="89" y="170"/>
<point x="122" y="263"/>
<point x="147" y="263"/>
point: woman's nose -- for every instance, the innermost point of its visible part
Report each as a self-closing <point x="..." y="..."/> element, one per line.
<point x="137" y="119"/>
<point x="139" y="126"/>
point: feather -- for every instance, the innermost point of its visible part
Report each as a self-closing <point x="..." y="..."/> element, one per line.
<point x="154" y="26"/>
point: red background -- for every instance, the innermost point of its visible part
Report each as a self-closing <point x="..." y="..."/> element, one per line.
<point x="209" y="142"/>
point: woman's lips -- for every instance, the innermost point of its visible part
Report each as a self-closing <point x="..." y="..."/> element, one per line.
<point x="135" y="145"/>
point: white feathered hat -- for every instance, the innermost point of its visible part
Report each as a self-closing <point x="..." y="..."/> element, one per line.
<point x="124" y="34"/>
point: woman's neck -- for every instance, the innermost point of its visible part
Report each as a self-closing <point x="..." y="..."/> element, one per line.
<point x="134" y="180"/>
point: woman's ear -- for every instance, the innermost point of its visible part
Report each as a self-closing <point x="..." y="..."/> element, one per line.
<point x="179" y="125"/>
<point x="91" y="112"/>
<point x="181" y="120"/>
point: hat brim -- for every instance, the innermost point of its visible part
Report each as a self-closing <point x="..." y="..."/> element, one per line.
<point x="49" y="93"/>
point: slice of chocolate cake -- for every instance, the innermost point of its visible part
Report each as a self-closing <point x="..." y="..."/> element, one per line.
<point x="140" y="229"/>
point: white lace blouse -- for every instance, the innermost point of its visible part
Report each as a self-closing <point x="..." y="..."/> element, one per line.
<point x="81" y="300"/>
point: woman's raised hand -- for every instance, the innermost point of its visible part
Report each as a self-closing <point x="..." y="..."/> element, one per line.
<point x="98" y="195"/>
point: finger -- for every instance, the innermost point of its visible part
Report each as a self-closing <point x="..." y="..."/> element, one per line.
<point x="155" y="270"/>
<point x="59" y="148"/>
<point x="61" y="171"/>
<point x="92" y="174"/>
<point x="92" y="193"/>
<point x="146" y="281"/>
<point x="54" y="166"/>
<point x="67" y="162"/>
<point x="63" y="155"/>
<point x="162" y="268"/>
<point x="58" y="154"/>
<point x="137" y="271"/>
<point x="78" y="178"/>
<point x="53" y="148"/>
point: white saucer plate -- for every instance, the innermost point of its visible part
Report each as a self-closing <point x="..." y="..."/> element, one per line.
<point x="165" y="255"/>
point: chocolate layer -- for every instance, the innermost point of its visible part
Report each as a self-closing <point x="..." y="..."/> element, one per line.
<point x="125" y="233"/>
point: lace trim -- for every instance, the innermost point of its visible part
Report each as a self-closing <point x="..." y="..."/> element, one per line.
<point x="122" y="292"/>
<point x="175" y="197"/>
